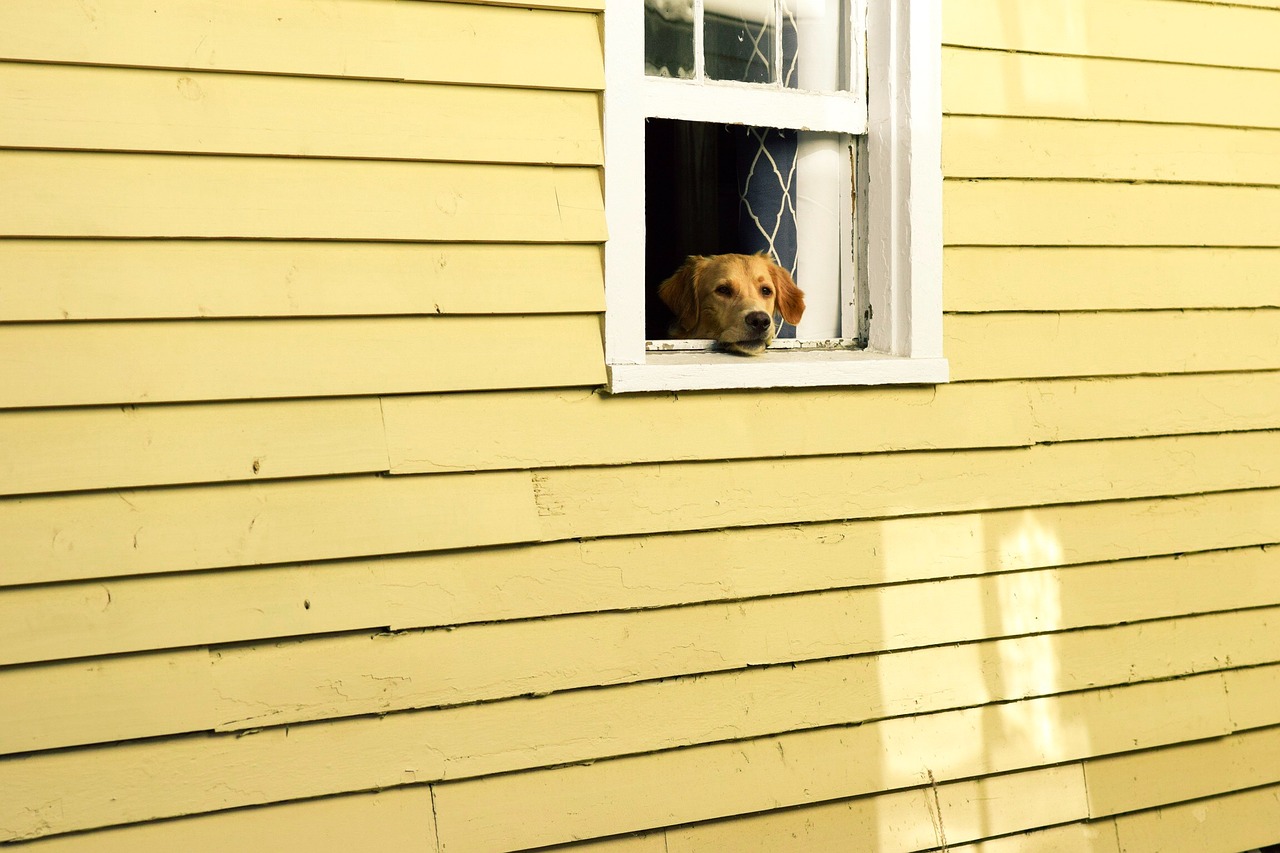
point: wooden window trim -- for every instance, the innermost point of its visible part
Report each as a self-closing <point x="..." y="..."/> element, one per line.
<point x="903" y="213"/>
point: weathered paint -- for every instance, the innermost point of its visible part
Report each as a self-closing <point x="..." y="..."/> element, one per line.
<point x="308" y="490"/>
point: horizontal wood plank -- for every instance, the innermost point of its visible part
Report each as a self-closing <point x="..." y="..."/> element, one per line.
<point x="326" y="678"/>
<point x="538" y="429"/>
<point x="1092" y="837"/>
<point x="134" y="279"/>
<point x="1154" y="405"/>
<point x="1016" y="345"/>
<point x="577" y="502"/>
<point x="400" y="818"/>
<point x="193" y="360"/>
<point x="999" y="83"/>
<point x="120" y="109"/>
<point x="428" y="590"/>
<point x="72" y="194"/>
<point x="983" y="278"/>
<point x="109" y="534"/>
<point x="1071" y="213"/>
<point x="102" y="786"/>
<point x="345" y="676"/>
<point x="914" y="819"/>
<point x="631" y="794"/>
<point x="1252" y="697"/>
<point x="440" y="42"/>
<point x="1227" y="824"/>
<point x="1189" y="771"/>
<point x="995" y="147"/>
<point x="56" y="450"/>
<point x="1128" y="29"/>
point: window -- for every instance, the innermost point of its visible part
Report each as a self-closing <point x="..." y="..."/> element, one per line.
<point x="809" y="129"/>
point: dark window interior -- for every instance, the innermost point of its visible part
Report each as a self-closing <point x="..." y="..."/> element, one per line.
<point x="691" y="203"/>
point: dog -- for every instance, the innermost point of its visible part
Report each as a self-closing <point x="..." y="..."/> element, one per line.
<point x="731" y="299"/>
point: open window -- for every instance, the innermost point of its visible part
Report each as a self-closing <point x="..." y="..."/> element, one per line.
<point x="805" y="129"/>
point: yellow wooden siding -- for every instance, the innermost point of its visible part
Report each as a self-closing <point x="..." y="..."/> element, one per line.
<point x="634" y="793"/>
<point x="1127" y="29"/>
<point x="108" y="534"/>
<point x="576" y="502"/>
<point x="286" y="683"/>
<point x="140" y="362"/>
<point x="1099" y="837"/>
<point x="989" y="147"/>
<point x="1008" y="345"/>
<point x="984" y="278"/>
<point x="133" y="279"/>
<point x="464" y="432"/>
<point x="399" y="819"/>
<point x="1191" y="771"/>
<point x="379" y="39"/>
<point x="999" y="83"/>
<point x="55" y="450"/>
<point x="52" y="106"/>
<point x="1229" y="824"/>
<point x="278" y="534"/>
<point x="73" y="194"/>
<point x="1068" y="213"/>
<point x="101" y="786"/>
<point x="173" y="610"/>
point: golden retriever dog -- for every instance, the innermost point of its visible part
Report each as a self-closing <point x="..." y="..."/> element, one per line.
<point x="731" y="299"/>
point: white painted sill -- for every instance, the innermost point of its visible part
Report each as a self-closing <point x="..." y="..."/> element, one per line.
<point x="707" y="371"/>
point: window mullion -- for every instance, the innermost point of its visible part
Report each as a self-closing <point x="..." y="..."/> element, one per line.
<point x="699" y="41"/>
<point x="779" y="61"/>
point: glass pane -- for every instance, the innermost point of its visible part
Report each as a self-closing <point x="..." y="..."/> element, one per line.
<point x="668" y="38"/>
<point x="815" y="36"/>
<point x="740" y="40"/>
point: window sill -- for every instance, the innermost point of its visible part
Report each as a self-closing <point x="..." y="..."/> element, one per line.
<point x="702" y="371"/>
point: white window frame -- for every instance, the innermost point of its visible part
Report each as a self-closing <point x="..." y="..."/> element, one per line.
<point x="902" y="210"/>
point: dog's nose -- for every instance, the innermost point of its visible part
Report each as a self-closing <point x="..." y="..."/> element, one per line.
<point x="758" y="320"/>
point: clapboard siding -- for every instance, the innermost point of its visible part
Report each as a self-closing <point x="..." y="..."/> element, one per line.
<point x="1229" y="824"/>
<point x="227" y="688"/>
<point x="434" y="590"/>
<point x="999" y="83"/>
<point x="1042" y="344"/>
<point x="102" y="786"/>
<point x="402" y="816"/>
<point x="319" y="533"/>
<point x="109" y="534"/>
<point x="1076" y="213"/>
<point x="75" y="194"/>
<point x="133" y="279"/>
<point x="575" y="502"/>
<point x="629" y="794"/>
<point x="58" y="450"/>
<point x="1191" y="771"/>
<point x="1018" y="278"/>
<point x="991" y="147"/>
<point x="384" y="39"/>
<point x="1154" y="30"/>
<point x="75" y="107"/>
<point x="190" y="360"/>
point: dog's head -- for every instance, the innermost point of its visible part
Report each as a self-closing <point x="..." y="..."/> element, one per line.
<point x="732" y="299"/>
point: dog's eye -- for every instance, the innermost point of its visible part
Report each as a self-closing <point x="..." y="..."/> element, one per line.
<point x="724" y="290"/>
<point x="766" y="291"/>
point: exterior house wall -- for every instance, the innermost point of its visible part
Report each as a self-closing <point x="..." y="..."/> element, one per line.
<point x="317" y="533"/>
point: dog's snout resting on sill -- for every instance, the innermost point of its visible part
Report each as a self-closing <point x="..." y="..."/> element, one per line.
<point x="731" y="299"/>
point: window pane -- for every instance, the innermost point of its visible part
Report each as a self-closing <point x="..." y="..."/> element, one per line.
<point x="668" y="38"/>
<point x="740" y="40"/>
<point x="815" y="44"/>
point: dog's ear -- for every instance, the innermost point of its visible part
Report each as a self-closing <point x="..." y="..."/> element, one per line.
<point x="790" y="299"/>
<point x="680" y="294"/>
